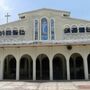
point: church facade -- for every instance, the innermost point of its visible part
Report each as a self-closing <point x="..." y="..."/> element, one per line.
<point x="45" y="44"/>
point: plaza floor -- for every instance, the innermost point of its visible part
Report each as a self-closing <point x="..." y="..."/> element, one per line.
<point x="54" y="85"/>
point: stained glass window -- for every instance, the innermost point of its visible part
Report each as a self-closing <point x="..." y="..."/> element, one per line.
<point x="44" y="29"/>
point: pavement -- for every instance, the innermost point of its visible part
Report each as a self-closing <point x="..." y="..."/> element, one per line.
<point x="45" y="85"/>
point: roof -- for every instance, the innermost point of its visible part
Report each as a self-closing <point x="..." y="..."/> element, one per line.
<point x="45" y="9"/>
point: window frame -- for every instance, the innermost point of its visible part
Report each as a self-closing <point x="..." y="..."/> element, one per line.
<point x="41" y="36"/>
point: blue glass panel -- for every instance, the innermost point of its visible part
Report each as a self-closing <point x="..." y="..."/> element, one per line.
<point x="44" y="29"/>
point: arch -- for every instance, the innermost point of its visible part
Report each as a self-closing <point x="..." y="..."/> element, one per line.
<point x="9" y="67"/>
<point x="36" y="29"/>
<point x="26" y="67"/>
<point x="87" y="28"/>
<point x="42" y="67"/>
<point x="82" y="29"/>
<point x="59" y="67"/>
<point x="44" y="29"/>
<point x="67" y="29"/>
<point x="52" y="26"/>
<point x="8" y="32"/>
<point x="74" y="29"/>
<point x="22" y="31"/>
<point x="88" y="61"/>
<point x="76" y="66"/>
<point x="15" y="31"/>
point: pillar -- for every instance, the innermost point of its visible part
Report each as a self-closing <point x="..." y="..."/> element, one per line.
<point x="85" y="67"/>
<point x="34" y="69"/>
<point x="2" y="70"/>
<point x="68" y="69"/>
<point x="17" y="70"/>
<point x="51" y="69"/>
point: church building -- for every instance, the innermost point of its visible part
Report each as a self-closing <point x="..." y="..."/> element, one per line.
<point x="45" y="44"/>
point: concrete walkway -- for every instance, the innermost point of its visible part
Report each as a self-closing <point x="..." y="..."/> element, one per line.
<point x="28" y="85"/>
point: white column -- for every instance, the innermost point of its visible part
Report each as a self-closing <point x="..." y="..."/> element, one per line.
<point x="1" y="72"/>
<point x="68" y="69"/>
<point x="17" y="70"/>
<point x="34" y="69"/>
<point x="51" y="69"/>
<point x="85" y="67"/>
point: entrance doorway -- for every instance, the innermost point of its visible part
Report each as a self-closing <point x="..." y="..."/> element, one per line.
<point x="88" y="61"/>
<point x="10" y="67"/>
<point x="42" y="67"/>
<point x="59" y="67"/>
<point x="76" y="66"/>
<point x="26" y="68"/>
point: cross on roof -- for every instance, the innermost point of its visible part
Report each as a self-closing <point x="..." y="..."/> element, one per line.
<point x="7" y="16"/>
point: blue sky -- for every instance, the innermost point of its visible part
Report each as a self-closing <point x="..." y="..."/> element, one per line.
<point x="78" y="8"/>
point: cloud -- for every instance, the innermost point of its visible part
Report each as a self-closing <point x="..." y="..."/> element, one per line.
<point x="3" y="6"/>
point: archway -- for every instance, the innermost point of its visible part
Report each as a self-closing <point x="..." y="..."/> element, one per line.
<point x="88" y="61"/>
<point x="10" y="67"/>
<point x="59" y="67"/>
<point x="26" y="68"/>
<point x="42" y="67"/>
<point x="76" y="66"/>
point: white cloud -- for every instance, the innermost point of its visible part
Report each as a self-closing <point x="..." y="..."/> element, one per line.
<point x="3" y="5"/>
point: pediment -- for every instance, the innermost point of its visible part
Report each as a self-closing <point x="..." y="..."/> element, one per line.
<point x="43" y="10"/>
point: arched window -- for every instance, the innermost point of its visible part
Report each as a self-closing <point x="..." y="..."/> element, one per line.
<point x="52" y="30"/>
<point x="8" y="32"/>
<point x="44" y="29"/>
<point x="67" y="29"/>
<point x="15" y="31"/>
<point x="74" y="29"/>
<point x="81" y="29"/>
<point x="88" y="29"/>
<point x="21" y="31"/>
<point x="36" y="29"/>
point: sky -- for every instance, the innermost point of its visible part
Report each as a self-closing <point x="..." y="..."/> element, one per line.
<point x="78" y="8"/>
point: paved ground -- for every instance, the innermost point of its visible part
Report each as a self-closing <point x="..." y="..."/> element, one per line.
<point x="28" y="85"/>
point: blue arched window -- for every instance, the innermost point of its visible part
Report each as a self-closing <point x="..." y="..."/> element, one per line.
<point x="36" y="29"/>
<point x="44" y="29"/>
<point x="52" y="30"/>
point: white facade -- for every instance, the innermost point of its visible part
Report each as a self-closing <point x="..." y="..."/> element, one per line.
<point x="45" y="44"/>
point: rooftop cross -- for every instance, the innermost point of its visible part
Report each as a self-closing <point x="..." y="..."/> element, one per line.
<point x="7" y="16"/>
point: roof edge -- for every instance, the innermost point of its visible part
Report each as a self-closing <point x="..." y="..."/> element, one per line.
<point x="44" y="9"/>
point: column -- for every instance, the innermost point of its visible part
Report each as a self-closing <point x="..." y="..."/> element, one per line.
<point x="85" y="67"/>
<point x="51" y="69"/>
<point x="34" y="69"/>
<point x="17" y="69"/>
<point x="68" y="69"/>
<point x="2" y="70"/>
